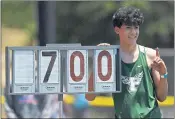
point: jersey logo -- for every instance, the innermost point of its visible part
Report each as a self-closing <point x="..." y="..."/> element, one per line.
<point x="139" y="66"/>
<point x="132" y="82"/>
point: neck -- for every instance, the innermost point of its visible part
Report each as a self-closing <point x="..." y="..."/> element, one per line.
<point x="127" y="48"/>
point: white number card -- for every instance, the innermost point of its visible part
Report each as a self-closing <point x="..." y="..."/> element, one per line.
<point x="23" y="71"/>
<point x="49" y="71"/>
<point x="77" y="70"/>
<point x="104" y="70"/>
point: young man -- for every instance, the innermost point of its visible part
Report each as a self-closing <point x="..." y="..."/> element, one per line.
<point x="144" y="73"/>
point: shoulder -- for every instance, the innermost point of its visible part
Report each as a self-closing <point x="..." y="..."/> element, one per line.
<point x="150" y="53"/>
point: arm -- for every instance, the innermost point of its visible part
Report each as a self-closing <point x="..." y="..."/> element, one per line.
<point x="158" y="68"/>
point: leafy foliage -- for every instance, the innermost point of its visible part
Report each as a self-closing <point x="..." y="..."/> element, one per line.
<point x="90" y="22"/>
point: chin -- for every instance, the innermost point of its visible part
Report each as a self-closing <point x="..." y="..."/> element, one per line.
<point x="133" y="42"/>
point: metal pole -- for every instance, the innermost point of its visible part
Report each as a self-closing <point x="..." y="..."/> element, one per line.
<point x="46" y="22"/>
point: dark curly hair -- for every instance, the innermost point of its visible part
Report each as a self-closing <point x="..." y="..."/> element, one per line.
<point x="128" y="16"/>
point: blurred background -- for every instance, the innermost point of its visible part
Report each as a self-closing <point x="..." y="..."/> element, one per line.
<point x="27" y="23"/>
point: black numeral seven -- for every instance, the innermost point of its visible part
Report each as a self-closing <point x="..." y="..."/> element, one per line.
<point x="52" y="61"/>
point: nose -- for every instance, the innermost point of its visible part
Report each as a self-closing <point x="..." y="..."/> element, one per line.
<point x="133" y="30"/>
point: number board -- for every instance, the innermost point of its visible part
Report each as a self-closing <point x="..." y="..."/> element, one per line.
<point x="42" y="69"/>
<point x="23" y="71"/>
<point x="104" y="61"/>
<point x="77" y="69"/>
<point x="49" y="71"/>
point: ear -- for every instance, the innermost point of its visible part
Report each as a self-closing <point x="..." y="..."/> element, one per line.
<point x="116" y="29"/>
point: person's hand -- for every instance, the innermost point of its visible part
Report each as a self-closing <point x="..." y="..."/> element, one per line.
<point x="158" y="64"/>
<point x="103" y="44"/>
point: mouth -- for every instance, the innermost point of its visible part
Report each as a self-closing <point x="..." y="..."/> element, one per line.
<point x="132" y="37"/>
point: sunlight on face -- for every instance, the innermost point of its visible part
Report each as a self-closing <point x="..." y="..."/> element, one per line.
<point x="129" y="34"/>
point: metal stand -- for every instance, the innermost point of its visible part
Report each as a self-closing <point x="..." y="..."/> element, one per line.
<point x="60" y="100"/>
<point x="60" y="96"/>
<point x="62" y="81"/>
<point x="63" y="71"/>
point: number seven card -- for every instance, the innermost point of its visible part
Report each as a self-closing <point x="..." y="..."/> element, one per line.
<point x="49" y="71"/>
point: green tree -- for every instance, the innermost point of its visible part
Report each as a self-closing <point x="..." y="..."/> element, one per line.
<point x="17" y="14"/>
<point x="90" y="22"/>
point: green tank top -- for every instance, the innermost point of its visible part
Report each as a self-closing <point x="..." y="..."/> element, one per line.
<point x="137" y="99"/>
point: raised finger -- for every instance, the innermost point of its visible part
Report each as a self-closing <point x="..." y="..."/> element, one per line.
<point x="157" y="52"/>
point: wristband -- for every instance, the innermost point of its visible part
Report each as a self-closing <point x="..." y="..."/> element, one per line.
<point x="165" y="76"/>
